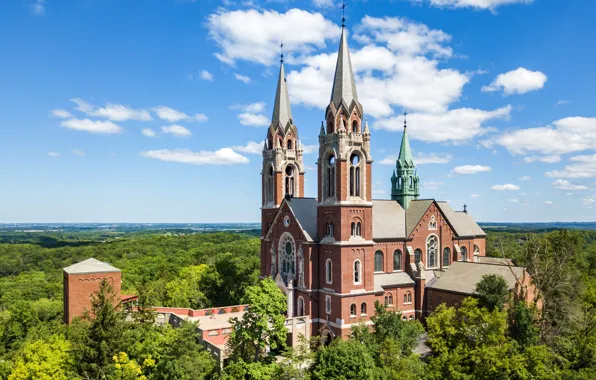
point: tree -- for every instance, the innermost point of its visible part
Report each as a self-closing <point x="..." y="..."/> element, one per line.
<point x="262" y="326"/>
<point x="185" y="290"/>
<point x="345" y="360"/>
<point x="492" y="291"/>
<point x="522" y="324"/>
<point x="390" y="326"/>
<point x="44" y="360"/>
<point x="395" y="366"/>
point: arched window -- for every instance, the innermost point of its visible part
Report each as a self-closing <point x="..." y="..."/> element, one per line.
<point x="417" y="255"/>
<point x="300" y="311"/>
<point x="464" y="254"/>
<point x="432" y="225"/>
<point x="329" y="229"/>
<point x="411" y="182"/>
<point x="355" y="128"/>
<point x="329" y="271"/>
<point x="363" y="308"/>
<point x="328" y="304"/>
<point x="330" y="176"/>
<point x="290" y="180"/>
<point x="397" y="260"/>
<point x="353" y="310"/>
<point x="287" y="255"/>
<point x="290" y="145"/>
<point x="379" y="267"/>
<point x="446" y="257"/>
<point x="432" y="251"/>
<point x="269" y="185"/>
<point x="476" y="253"/>
<point x="357" y="272"/>
<point x="355" y="175"/>
<point x="408" y="297"/>
<point x="411" y="317"/>
<point x="353" y="229"/>
<point x="356" y="228"/>
<point x="389" y="300"/>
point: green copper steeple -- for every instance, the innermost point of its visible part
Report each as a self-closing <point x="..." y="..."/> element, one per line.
<point x="405" y="183"/>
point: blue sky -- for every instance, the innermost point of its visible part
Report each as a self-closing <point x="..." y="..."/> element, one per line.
<point x="154" y="111"/>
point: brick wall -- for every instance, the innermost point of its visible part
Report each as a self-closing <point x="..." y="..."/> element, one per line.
<point x="78" y="289"/>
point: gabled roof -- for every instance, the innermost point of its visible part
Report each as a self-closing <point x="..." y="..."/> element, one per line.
<point x="389" y="220"/>
<point x="305" y="211"/>
<point x="344" y="87"/>
<point x="282" y="113"/>
<point x="462" y="277"/>
<point x="90" y="266"/>
<point x="391" y="280"/>
<point x="462" y="222"/>
<point x="415" y="212"/>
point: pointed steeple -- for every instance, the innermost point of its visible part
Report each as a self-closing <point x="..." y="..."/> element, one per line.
<point x="282" y="113"/>
<point x="344" y="87"/>
<point x="405" y="183"/>
<point x="405" y="159"/>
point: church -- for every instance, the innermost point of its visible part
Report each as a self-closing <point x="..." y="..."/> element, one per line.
<point x="335" y="255"/>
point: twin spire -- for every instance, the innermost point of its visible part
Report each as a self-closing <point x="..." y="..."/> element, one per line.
<point x="344" y="86"/>
<point x="282" y="113"/>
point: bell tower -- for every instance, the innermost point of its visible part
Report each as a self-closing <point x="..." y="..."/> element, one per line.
<point x="405" y="183"/>
<point x="283" y="167"/>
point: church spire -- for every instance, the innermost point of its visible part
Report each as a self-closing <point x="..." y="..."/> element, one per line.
<point x="405" y="183"/>
<point x="405" y="153"/>
<point x="344" y="87"/>
<point x="282" y="113"/>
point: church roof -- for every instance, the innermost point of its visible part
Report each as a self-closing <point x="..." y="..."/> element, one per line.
<point x="305" y="211"/>
<point x="344" y="87"/>
<point x="90" y="266"/>
<point x="405" y="153"/>
<point x="462" y="222"/>
<point x="415" y="212"/>
<point x="389" y="220"/>
<point x="282" y="113"/>
<point x="391" y="280"/>
<point x="462" y="277"/>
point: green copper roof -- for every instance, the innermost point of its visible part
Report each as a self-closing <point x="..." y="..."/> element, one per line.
<point x="405" y="153"/>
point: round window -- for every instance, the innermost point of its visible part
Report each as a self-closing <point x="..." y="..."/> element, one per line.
<point x="286" y="221"/>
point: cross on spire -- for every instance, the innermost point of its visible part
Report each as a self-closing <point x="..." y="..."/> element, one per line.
<point x="281" y="48"/>
<point x="343" y="13"/>
<point x="405" y="119"/>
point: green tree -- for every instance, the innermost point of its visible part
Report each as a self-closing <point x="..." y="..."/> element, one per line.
<point x="390" y="326"/>
<point x="492" y="291"/>
<point x="239" y="369"/>
<point x="395" y="366"/>
<point x="44" y="360"/>
<point x="262" y="326"/>
<point x="345" y="360"/>
<point x="522" y="324"/>
<point x="185" y="290"/>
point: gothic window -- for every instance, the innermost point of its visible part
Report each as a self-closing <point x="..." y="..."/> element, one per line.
<point x="397" y="260"/>
<point x="330" y="176"/>
<point x="356" y="228"/>
<point x="353" y="310"/>
<point x="432" y="225"/>
<point x="355" y="175"/>
<point x="476" y="251"/>
<point x="329" y="229"/>
<point x="355" y="128"/>
<point x="287" y="255"/>
<point x="379" y="267"/>
<point x="408" y="297"/>
<point x="386" y="301"/>
<point x="328" y="304"/>
<point x="300" y="311"/>
<point x="269" y="185"/>
<point x="432" y="251"/>
<point x="390" y="300"/>
<point x="290" y="180"/>
<point x="417" y="256"/>
<point x="290" y="145"/>
<point x="464" y="254"/>
<point x="363" y="308"/>
<point x="446" y="257"/>
<point x="411" y="182"/>
<point x="357" y="272"/>
<point x="399" y="182"/>
<point x="329" y="271"/>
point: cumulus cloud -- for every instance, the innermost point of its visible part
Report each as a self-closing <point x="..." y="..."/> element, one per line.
<point x="571" y="134"/>
<point x="562" y="184"/>
<point x="176" y="130"/>
<point x="518" y="81"/>
<point x="173" y="116"/>
<point x="308" y="149"/>
<point x="525" y="178"/>
<point x="546" y="159"/>
<point x="148" y="132"/>
<point x="63" y="114"/>
<point x="243" y="78"/>
<point x="206" y="75"/>
<point x="252" y="119"/>
<point x="581" y="167"/>
<point x="224" y="156"/>
<point x="252" y="35"/>
<point x="251" y="147"/>
<point x="113" y="112"/>
<point x="92" y="126"/>
<point x="471" y="169"/>
<point x="506" y="187"/>
<point x="491" y="5"/>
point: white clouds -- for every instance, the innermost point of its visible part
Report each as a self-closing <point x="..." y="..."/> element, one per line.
<point x="253" y="119"/>
<point x="251" y="147"/>
<point x="474" y="195"/>
<point x="63" y="114"/>
<point x="588" y="201"/>
<point x="562" y="184"/>
<point x="308" y="149"/>
<point x="471" y="169"/>
<point x="206" y="75"/>
<point x="548" y="202"/>
<point x="457" y="125"/>
<point x="518" y="81"/>
<point x="323" y="3"/>
<point x="254" y="36"/>
<point x="148" y="132"/>
<point x="582" y="167"/>
<point x="252" y="108"/>
<point x="173" y="116"/>
<point x="113" y="112"/>
<point x="53" y="154"/>
<point x="432" y="185"/>
<point x="506" y="187"/>
<point x="514" y="200"/>
<point x="38" y="8"/>
<point x="572" y="134"/>
<point x="92" y="126"/>
<point x="421" y="159"/>
<point x="224" y="156"/>
<point x="478" y="4"/>
<point x="78" y="152"/>
<point x="525" y="178"/>
<point x="561" y="102"/>
<point x="243" y="78"/>
<point x="546" y="159"/>
<point x="176" y="130"/>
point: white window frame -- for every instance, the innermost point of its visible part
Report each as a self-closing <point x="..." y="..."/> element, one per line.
<point x="359" y="282"/>
<point x="328" y="272"/>
<point x="328" y="304"/>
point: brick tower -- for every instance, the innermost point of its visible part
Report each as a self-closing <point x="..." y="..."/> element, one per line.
<point x="344" y="210"/>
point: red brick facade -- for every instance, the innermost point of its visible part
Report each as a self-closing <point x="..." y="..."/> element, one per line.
<point x="78" y="289"/>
